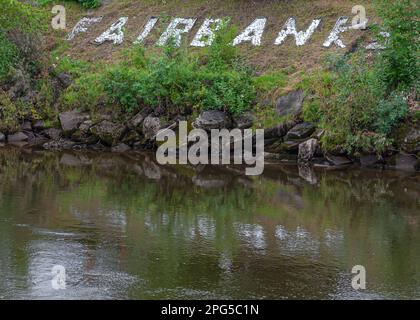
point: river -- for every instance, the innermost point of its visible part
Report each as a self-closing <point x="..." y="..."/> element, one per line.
<point x="124" y="227"/>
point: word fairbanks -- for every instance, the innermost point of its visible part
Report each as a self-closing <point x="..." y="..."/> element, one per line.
<point x="206" y="33"/>
<point x="194" y="147"/>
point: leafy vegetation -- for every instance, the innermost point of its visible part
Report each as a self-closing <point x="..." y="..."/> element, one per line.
<point x="88" y="4"/>
<point x="173" y="81"/>
<point x="359" y="101"/>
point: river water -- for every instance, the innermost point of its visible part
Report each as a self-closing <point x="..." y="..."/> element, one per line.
<point x="125" y="228"/>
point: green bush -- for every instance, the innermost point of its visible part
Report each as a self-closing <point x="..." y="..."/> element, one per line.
<point x="86" y="93"/>
<point x="9" y="56"/>
<point x="399" y="64"/>
<point x="175" y="81"/>
<point x="88" y="4"/>
<point x="351" y="104"/>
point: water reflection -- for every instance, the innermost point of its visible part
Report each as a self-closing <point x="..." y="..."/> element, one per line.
<point x="127" y="228"/>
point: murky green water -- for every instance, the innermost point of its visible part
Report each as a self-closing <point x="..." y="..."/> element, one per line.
<point x="126" y="228"/>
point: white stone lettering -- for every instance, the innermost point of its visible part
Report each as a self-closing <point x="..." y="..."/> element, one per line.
<point x="115" y="33"/>
<point x="301" y="37"/>
<point x="82" y="26"/>
<point x="147" y="29"/>
<point x="207" y="33"/>
<point x="175" y="33"/>
<point x="252" y="33"/>
<point x="334" y="36"/>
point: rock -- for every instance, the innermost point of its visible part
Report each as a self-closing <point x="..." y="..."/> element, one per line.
<point x="370" y="160"/>
<point x="411" y="142"/>
<point x="403" y="162"/>
<point x="279" y="131"/>
<point x="37" y="141"/>
<point x="300" y="131"/>
<point x="65" y="79"/>
<point x="2" y="138"/>
<point x="122" y="147"/>
<point x="84" y="138"/>
<point x="137" y="120"/>
<point x="17" y="137"/>
<point x="71" y="120"/>
<point x="151" y="126"/>
<point x="131" y="137"/>
<point x="213" y="119"/>
<point x="338" y="160"/>
<point x="307" y="150"/>
<point x="108" y="132"/>
<point x="243" y="121"/>
<point x="26" y="126"/>
<point x="53" y="133"/>
<point x="60" y="144"/>
<point x="39" y="125"/>
<point x="290" y="104"/>
<point x="85" y="126"/>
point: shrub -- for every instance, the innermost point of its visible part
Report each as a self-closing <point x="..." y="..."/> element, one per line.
<point x="398" y="63"/>
<point x="86" y="93"/>
<point x="88" y="4"/>
<point x="175" y="81"/>
<point x="351" y="104"/>
<point x="9" y="56"/>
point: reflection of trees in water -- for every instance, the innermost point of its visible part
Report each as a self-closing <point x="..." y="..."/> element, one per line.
<point x="180" y="226"/>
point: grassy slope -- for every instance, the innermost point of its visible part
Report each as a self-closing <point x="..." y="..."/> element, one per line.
<point x="265" y="58"/>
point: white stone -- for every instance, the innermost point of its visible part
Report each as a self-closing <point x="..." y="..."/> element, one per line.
<point x="147" y="29"/>
<point x="334" y="36"/>
<point x="207" y="33"/>
<point x="253" y="33"/>
<point x="173" y="32"/>
<point x="82" y="26"/>
<point x="301" y="37"/>
<point x="115" y="33"/>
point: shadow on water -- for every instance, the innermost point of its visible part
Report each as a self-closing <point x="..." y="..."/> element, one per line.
<point x="126" y="228"/>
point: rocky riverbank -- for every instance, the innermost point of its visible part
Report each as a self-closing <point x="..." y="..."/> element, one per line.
<point x="292" y="141"/>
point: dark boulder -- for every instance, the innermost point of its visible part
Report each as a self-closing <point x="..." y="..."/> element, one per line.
<point x="17" y="137"/>
<point x="243" y="121"/>
<point x="26" y="126"/>
<point x="137" y="120"/>
<point x="65" y="79"/>
<point x="121" y="147"/>
<point x="108" y="132"/>
<point x="338" y="160"/>
<point x="290" y="104"/>
<point x="213" y="119"/>
<point x="60" y="144"/>
<point x="300" y="131"/>
<point x="411" y="142"/>
<point x="280" y="130"/>
<point x="70" y="121"/>
<point x="39" y="125"/>
<point x="53" y="133"/>
<point x="307" y="150"/>
<point x="151" y="126"/>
